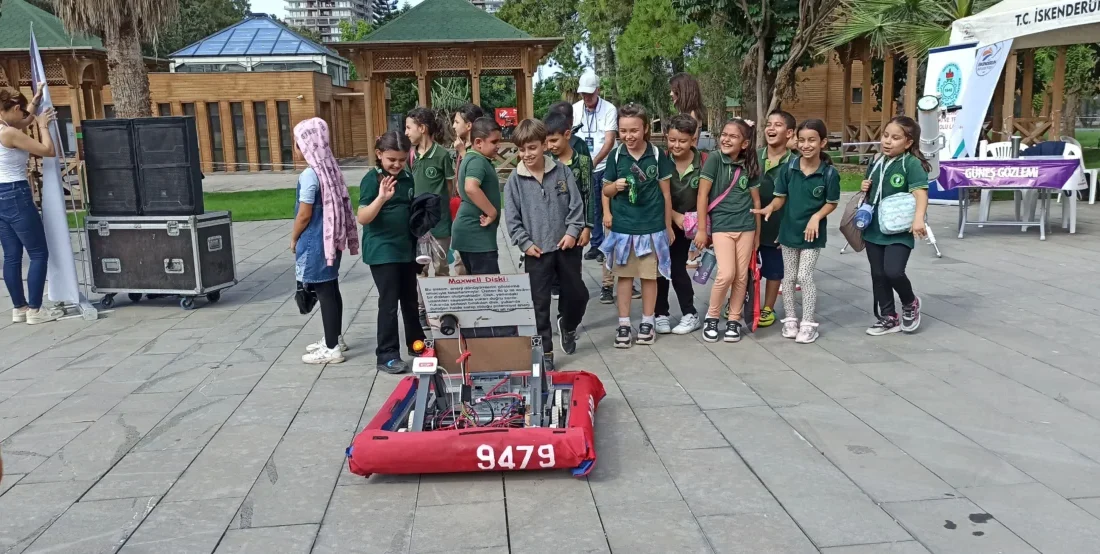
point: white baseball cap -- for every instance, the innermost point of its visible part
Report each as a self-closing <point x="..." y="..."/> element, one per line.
<point x="589" y="83"/>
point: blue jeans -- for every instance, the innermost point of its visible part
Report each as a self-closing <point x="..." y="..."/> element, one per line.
<point x="21" y="228"/>
<point x="597" y="198"/>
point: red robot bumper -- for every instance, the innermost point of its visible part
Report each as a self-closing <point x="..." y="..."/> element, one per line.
<point x="378" y="449"/>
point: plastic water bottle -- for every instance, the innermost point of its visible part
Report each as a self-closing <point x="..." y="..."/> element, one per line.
<point x="706" y="267"/>
<point x="863" y="216"/>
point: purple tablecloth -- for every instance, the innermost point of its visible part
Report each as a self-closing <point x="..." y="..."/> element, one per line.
<point x="1035" y="172"/>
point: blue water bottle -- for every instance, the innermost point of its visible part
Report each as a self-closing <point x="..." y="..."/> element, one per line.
<point x="863" y="216"/>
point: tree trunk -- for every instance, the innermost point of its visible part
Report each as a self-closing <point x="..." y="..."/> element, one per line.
<point x="762" y="96"/>
<point x="1069" y="115"/>
<point x="126" y="72"/>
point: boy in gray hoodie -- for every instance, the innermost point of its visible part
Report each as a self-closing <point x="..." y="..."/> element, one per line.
<point x="544" y="216"/>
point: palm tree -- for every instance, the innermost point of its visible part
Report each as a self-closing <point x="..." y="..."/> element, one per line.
<point x="123" y="24"/>
<point x="909" y="26"/>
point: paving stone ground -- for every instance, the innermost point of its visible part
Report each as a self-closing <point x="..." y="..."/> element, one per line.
<point x="160" y="430"/>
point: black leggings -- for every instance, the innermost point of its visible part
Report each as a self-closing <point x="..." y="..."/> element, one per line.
<point x="888" y="275"/>
<point x="332" y="310"/>
<point x="681" y="281"/>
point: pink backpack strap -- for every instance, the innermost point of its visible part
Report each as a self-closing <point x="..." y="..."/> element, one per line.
<point x="721" y="197"/>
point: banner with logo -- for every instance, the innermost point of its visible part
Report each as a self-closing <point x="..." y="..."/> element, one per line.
<point x="61" y="270"/>
<point x="989" y="61"/>
<point x="1032" y="23"/>
<point x="1035" y="172"/>
<point x="949" y="68"/>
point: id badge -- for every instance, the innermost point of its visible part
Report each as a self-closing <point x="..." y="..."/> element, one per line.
<point x="589" y="142"/>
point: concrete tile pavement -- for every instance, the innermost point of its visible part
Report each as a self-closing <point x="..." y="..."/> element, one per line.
<point x="160" y="430"/>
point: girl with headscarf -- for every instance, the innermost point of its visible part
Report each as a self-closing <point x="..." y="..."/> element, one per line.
<point x="323" y="227"/>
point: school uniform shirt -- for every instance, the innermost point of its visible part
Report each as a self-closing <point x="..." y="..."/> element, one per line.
<point x="580" y="164"/>
<point x="769" y="230"/>
<point x="432" y="171"/>
<point x="806" y="195"/>
<point x="647" y="213"/>
<point x="684" y="187"/>
<point x="467" y="234"/>
<point x="387" y="239"/>
<point x="732" y="214"/>
<point x="895" y="176"/>
<point x="579" y="146"/>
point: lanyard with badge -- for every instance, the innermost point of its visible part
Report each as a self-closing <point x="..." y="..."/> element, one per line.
<point x="590" y="124"/>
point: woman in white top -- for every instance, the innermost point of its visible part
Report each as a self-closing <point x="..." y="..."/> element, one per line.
<point x="20" y="225"/>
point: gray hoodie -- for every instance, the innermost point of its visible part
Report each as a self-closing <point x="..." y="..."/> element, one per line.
<point x="541" y="214"/>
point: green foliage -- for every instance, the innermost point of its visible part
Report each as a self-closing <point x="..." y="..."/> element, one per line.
<point x="716" y="63"/>
<point x="448" y="93"/>
<point x="403" y="95"/>
<point x="604" y="21"/>
<point x="911" y="26"/>
<point x="652" y="42"/>
<point x="547" y="91"/>
<point x="198" y="19"/>
<point x="549" y="18"/>
<point x="1081" y="76"/>
<point x="497" y="92"/>
<point x="311" y="34"/>
<point x="354" y="31"/>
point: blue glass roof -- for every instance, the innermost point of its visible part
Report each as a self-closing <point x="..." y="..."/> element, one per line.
<point x="257" y="35"/>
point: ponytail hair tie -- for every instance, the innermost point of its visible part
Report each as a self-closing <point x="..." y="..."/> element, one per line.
<point x="749" y="122"/>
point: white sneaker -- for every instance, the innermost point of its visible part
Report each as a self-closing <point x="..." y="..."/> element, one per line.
<point x="321" y="344"/>
<point x="807" y="333"/>
<point x="19" y="316"/>
<point x="324" y="356"/>
<point x="44" y="315"/>
<point x="790" y="328"/>
<point x="664" y="327"/>
<point x="688" y="325"/>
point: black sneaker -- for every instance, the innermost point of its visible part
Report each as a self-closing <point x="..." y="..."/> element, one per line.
<point x="568" y="339"/>
<point x="910" y="316"/>
<point x="548" y="361"/>
<point x="646" y="334"/>
<point x="623" y="338"/>
<point x="593" y="254"/>
<point x="710" y="329"/>
<point x="884" y="326"/>
<point x="424" y="320"/>
<point x="394" y="366"/>
<point x="635" y="293"/>
<point x="733" y="331"/>
<point x="607" y="295"/>
<point x="555" y="292"/>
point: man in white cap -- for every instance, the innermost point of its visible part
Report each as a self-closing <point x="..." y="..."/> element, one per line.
<point x="598" y="123"/>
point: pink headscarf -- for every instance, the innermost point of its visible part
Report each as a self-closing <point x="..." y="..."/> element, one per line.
<point x="311" y="136"/>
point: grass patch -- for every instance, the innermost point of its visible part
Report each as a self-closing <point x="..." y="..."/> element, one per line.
<point x="259" y="205"/>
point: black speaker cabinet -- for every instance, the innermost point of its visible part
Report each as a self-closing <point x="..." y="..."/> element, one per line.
<point x="143" y="166"/>
<point x="187" y="256"/>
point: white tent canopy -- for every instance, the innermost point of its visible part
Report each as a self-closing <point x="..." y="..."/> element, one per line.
<point x="1032" y="24"/>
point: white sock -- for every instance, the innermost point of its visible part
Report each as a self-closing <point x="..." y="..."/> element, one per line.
<point x="648" y="319"/>
<point x="624" y="322"/>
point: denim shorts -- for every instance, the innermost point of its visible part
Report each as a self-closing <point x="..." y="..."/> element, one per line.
<point x="771" y="263"/>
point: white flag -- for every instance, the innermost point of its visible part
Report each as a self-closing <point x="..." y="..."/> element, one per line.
<point x="61" y="272"/>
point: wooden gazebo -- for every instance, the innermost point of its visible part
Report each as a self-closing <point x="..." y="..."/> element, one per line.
<point x="443" y="38"/>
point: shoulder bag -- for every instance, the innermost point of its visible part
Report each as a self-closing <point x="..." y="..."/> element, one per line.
<point x="896" y="211"/>
<point x="691" y="219"/>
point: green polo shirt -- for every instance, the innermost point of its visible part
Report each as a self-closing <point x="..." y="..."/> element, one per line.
<point x="646" y="214"/>
<point x="769" y="230"/>
<point x="898" y="175"/>
<point x="579" y="146"/>
<point x="432" y="172"/>
<point x="806" y="195"/>
<point x="732" y="214"/>
<point x="467" y="234"/>
<point x="684" y="187"/>
<point x="387" y="239"/>
<point x="581" y="166"/>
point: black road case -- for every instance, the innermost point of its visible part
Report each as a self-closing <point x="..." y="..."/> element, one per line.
<point x="187" y="256"/>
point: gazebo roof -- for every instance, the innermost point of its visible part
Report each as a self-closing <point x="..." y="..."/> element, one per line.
<point x="445" y="21"/>
<point x="256" y="35"/>
<point x="15" y="30"/>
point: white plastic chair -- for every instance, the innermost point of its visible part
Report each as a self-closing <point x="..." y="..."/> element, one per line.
<point x="1090" y="175"/>
<point x="997" y="150"/>
<point x="1069" y="207"/>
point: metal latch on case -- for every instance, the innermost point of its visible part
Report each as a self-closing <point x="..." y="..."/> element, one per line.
<point x="173" y="228"/>
<point x="104" y="228"/>
<point x="214" y="243"/>
<point x="173" y="266"/>
<point x="111" y="265"/>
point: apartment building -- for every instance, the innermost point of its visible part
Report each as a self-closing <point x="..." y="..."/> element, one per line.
<point x="325" y="16"/>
